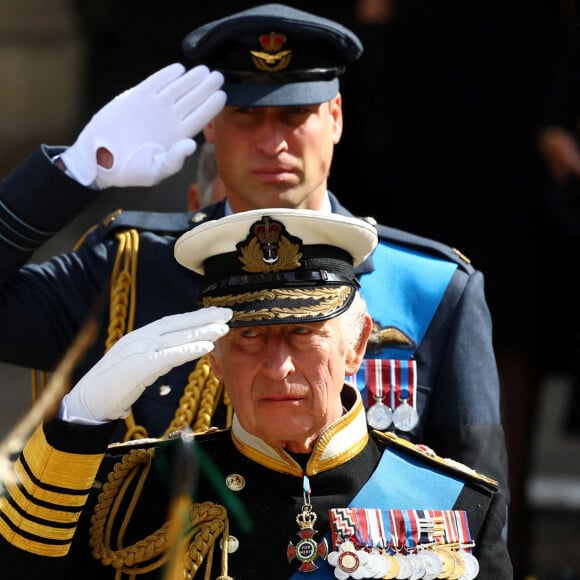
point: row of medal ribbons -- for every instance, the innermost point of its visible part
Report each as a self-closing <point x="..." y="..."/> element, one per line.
<point x="389" y="392"/>
<point x="402" y="544"/>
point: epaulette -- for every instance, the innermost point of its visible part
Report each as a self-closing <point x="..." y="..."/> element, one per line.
<point x="157" y="221"/>
<point x="174" y="223"/>
<point x="421" y="244"/>
<point x="427" y="455"/>
<point x="213" y="433"/>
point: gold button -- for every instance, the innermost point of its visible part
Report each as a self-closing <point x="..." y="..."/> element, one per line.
<point x="235" y="482"/>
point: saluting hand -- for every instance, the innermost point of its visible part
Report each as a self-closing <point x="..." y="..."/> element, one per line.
<point x="147" y="130"/>
<point x="137" y="359"/>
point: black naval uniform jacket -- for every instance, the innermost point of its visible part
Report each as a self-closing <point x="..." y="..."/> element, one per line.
<point x="53" y="475"/>
<point x="43" y="306"/>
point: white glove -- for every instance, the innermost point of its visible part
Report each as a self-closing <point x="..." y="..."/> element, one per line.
<point x="137" y="359"/>
<point x="149" y="128"/>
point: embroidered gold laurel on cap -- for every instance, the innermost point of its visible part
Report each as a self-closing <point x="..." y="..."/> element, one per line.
<point x="278" y="265"/>
<point x="271" y="58"/>
<point x="269" y="248"/>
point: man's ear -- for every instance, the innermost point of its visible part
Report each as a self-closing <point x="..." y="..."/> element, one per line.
<point x="193" y="197"/>
<point x="208" y="132"/>
<point x="216" y="367"/>
<point x="356" y="352"/>
<point x="336" y="113"/>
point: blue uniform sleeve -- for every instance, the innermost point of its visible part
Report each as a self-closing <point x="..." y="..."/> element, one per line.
<point x="464" y="398"/>
<point x="36" y="201"/>
<point x="48" y="302"/>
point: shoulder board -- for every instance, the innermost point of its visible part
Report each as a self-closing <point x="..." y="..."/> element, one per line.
<point x="118" y="448"/>
<point x="168" y="222"/>
<point x="427" y="455"/>
<point x="421" y="244"/>
<point x="160" y="222"/>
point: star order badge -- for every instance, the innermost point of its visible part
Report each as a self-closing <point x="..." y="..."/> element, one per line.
<point x="307" y="550"/>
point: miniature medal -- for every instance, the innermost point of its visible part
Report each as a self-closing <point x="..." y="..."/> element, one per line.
<point x="417" y="567"/>
<point x="379" y="416"/>
<point x="345" y="560"/>
<point x="447" y="562"/>
<point x="393" y="570"/>
<point x="405" y="417"/>
<point x="460" y="566"/>
<point x="432" y="563"/>
<point x="471" y="566"/>
<point x="377" y="374"/>
<point x="405" y="567"/>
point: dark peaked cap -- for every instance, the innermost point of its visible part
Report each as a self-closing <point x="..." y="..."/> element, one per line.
<point x="278" y="265"/>
<point x="274" y="55"/>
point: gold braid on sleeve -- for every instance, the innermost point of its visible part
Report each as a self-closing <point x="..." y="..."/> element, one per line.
<point x="206" y="523"/>
<point x="201" y="395"/>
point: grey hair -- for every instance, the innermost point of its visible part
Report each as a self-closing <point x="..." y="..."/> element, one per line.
<point x="206" y="172"/>
<point x="353" y="319"/>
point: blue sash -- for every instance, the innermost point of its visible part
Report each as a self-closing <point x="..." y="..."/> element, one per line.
<point x="404" y="291"/>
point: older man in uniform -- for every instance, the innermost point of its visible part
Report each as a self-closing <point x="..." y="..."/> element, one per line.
<point x="298" y="486"/>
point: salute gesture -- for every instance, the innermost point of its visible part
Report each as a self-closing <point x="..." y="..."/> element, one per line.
<point x="148" y="130"/>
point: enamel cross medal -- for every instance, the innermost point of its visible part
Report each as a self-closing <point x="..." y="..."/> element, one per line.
<point x="307" y="550"/>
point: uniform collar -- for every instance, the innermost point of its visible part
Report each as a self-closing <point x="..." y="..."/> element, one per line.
<point x="341" y="441"/>
<point x="326" y="206"/>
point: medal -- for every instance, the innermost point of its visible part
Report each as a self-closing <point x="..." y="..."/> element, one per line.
<point x="377" y="372"/>
<point x="405" y="417"/>
<point x="307" y="550"/>
<point x="417" y="566"/>
<point x="380" y="565"/>
<point x="351" y="562"/>
<point x="393" y="570"/>
<point x="348" y="562"/>
<point x="460" y="566"/>
<point x="379" y="416"/>
<point x="447" y="562"/>
<point x="401" y="544"/>
<point x="426" y="530"/>
<point x="395" y="380"/>
<point x="345" y="559"/>
<point x="471" y="566"/>
<point x="464" y="536"/>
<point x="405" y="568"/>
<point x="432" y="564"/>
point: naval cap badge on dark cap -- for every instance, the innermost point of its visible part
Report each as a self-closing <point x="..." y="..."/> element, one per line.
<point x="275" y="55"/>
<point x="274" y="266"/>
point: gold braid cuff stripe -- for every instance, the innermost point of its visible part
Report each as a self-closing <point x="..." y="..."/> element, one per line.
<point x="26" y="511"/>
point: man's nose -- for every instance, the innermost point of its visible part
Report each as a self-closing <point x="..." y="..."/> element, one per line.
<point x="272" y="136"/>
<point x="278" y="363"/>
